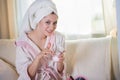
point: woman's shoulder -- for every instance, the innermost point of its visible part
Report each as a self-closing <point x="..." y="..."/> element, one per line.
<point x="22" y="37"/>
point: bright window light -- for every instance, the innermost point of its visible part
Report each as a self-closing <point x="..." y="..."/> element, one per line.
<point x="76" y="17"/>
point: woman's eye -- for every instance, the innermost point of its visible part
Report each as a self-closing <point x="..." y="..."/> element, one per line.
<point x="48" y="22"/>
<point x="55" y="23"/>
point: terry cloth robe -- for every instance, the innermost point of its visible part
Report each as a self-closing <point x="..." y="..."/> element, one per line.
<point x="26" y="52"/>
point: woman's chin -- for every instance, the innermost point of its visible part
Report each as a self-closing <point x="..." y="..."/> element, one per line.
<point x="49" y="33"/>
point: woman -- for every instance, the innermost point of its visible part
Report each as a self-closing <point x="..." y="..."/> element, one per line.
<point x="39" y="47"/>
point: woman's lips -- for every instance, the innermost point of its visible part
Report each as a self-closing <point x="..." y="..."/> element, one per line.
<point x="49" y="32"/>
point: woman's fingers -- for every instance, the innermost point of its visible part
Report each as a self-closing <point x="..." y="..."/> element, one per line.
<point x="61" y="57"/>
<point x="47" y="53"/>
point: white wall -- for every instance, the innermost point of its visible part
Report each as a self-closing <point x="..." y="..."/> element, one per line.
<point x="118" y="25"/>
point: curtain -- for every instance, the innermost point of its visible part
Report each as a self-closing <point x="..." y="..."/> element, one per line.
<point x="109" y="11"/>
<point x="109" y="7"/>
<point x="7" y="19"/>
<point x="118" y="26"/>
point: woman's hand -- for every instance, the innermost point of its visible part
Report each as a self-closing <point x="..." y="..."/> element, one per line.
<point x="60" y="64"/>
<point x="40" y="60"/>
<point x="45" y="54"/>
<point x="61" y="58"/>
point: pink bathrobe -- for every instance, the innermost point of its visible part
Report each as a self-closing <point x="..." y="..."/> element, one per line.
<point x="26" y="52"/>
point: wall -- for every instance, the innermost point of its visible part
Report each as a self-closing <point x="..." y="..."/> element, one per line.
<point x="118" y="26"/>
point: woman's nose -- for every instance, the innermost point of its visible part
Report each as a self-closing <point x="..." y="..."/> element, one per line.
<point x="52" y="27"/>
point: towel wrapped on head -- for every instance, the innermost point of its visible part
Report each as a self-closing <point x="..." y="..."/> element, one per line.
<point x="36" y="12"/>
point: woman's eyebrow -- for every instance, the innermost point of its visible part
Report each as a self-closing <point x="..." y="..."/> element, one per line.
<point x="55" y="21"/>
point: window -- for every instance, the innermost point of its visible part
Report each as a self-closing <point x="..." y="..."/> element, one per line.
<point x="76" y="17"/>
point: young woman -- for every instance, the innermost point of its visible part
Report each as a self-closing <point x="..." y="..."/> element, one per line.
<point x="39" y="48"/>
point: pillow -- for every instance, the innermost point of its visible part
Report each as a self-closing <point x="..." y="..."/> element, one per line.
<point x="7" y="50"/>
<point x="89" y="58"/>
<point x="7" y="72"/>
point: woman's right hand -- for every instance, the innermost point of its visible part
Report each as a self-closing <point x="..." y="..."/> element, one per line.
<point x="45" y="54"/>
<point x="40" y="60"/>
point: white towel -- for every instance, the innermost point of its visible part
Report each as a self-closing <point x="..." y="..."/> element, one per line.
<point x="37" y="10"/>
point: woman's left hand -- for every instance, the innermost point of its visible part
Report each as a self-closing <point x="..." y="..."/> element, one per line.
<point x="60" y="64"/>
<point x="61" y="58"/>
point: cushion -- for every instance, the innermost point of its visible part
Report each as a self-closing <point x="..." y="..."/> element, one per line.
<point x="7" y="50"/>
<point x="7" y="72"/>
<point x="89" y="58"/>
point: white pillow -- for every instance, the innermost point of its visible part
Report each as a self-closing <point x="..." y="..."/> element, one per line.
<point x="7" y="50"/>
<point x="7" y="72"/>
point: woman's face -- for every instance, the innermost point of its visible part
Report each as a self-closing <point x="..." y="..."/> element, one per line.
<point x="48" y="24"/>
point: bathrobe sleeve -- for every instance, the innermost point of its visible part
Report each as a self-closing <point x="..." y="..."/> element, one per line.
<point x="22" y="62"/>
<point x="60" y="43"/>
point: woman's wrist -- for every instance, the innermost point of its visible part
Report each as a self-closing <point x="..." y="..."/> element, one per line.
<point x="39" y="58"/>
<point x="60" y="67"/>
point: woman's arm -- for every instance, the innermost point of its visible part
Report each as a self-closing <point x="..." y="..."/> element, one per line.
<point x="22" y="63"/>
<point x="25" y="67"/>
<point x="33" y="67"/>
<point x="60" y="64"/>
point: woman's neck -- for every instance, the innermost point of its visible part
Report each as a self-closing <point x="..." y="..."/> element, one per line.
<point x="38" y="35"/>
<point x="38" y="39"/>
